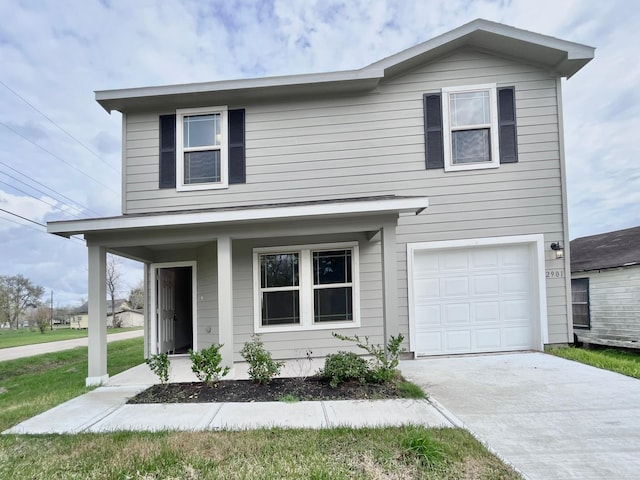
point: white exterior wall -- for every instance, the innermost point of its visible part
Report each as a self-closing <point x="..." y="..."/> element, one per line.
<point x="614" y="303"/>
<point x="373" y="144"/>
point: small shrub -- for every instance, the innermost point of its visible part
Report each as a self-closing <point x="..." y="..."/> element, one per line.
<point x="206" y="364"/>
<point x="160" y="365"/>
<point x="342" y="366"/>
<point x="385" y="362"/>
<point x="262" y="368"/>
<point x="419" y="444"/>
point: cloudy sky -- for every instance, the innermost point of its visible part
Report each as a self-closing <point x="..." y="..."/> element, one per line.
<point x="60" y="152"/>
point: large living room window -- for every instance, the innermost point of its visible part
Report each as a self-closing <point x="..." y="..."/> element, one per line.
<point x="201" y="140"/>
<point x="306" y="287"/>
<point x="580" y="302"/>
<point x="470" y="127"/>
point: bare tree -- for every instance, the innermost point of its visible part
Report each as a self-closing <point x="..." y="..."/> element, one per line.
<point x="41" y="317"/>
<point x="113" y="283"/>
<point x="16" y="294"/>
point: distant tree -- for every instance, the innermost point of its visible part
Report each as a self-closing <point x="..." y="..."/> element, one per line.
<point x="16" y="294"/>
<point x="42" y="318"/>
<point x="136" y="296"/>
<point x="113" y="283"/>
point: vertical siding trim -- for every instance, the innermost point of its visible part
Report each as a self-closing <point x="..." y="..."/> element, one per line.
<point x="123" y="163"/>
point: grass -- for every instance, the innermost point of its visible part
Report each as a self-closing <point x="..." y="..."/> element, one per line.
<point x="26" y="336"/>
<point x="34" y="384"/>
<point x="410" y="390"/>
<point x="343" y="453"/>
<point x="620" y="361"/>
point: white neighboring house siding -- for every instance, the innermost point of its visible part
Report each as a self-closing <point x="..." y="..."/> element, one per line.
<point x="373" y="144"/>
<point x="614" y="304"/>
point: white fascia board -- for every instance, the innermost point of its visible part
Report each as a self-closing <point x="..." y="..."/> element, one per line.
<point x="66" y="228"/>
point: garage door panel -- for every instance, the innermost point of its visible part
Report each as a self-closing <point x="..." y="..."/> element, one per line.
<point x="476" y="299"/>
<point x="488" y="339"/>
<point x="457" y="314"/>
<point x="486" y="284"/>
<point x="455" y="287"/>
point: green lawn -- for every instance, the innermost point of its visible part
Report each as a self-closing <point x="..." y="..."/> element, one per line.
<point x="26" y="336"/>
<point x="34" y="384"/>
<point x="624" y="362"/>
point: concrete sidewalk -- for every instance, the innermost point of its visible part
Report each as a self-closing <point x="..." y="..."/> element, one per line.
<point x="49" y="347"/>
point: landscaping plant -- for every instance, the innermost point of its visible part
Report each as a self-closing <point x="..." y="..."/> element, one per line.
<point x="385" y="362"/>
<point x="342" y="366"/>
<point x="262" y="368"/>
<point x="206" y="364"/>
<point x="160" y="365"/>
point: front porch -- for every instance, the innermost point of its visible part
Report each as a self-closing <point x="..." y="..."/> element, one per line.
<point x="221" y="248"/>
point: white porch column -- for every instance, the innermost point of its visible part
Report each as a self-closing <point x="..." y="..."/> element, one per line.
<point x="389" y="281"/>
<point x="97" y="316"/>
<point x="225" y="300"/>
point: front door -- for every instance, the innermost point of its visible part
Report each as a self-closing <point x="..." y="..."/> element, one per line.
<point x="166" y="309"/>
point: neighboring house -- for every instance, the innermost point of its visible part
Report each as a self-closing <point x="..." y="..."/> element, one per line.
<point x="605" y="283"/>
<point x="125" y="316"/>
<point x="296" y="206"/>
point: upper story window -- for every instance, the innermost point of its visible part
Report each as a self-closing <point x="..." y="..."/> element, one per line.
<point x="201" y="148"/>
<point x="470" y="127"/>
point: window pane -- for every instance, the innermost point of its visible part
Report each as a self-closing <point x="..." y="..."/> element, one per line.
<point x="202" y="167"/>
<point x="332" y="305"/>
<point x="279" y="270"/>
<point x="331" y="267"/>
<point x="470" y="146"/>
<point x="469" y="108"/>
<point x="202" y="130"/>
<point x="280" y="308"/>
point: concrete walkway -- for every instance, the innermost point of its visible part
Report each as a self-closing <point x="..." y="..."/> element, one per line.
<point x="105" y="409"/>
<point x="49" y="347"/>
<point x="549" y="417"/>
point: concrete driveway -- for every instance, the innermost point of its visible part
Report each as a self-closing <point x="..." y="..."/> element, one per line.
<point x="549" y="417"/>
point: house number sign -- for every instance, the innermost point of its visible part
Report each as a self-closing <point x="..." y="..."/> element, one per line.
<point x="555" y="273"/>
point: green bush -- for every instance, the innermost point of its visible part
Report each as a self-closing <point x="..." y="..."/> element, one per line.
<point x="262" y="368"/>
<point x="206" y="364"/>
<point x="385" y="362"/>
<point x="342" y="366"/>
<point x="160" y="365"/>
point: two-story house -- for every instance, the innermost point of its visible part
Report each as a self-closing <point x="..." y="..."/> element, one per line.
<point x="418" y="195"/>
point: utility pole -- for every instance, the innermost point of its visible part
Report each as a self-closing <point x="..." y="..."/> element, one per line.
<point x="51" y="312"/>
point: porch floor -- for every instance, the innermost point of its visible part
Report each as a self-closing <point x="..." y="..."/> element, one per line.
<point x="105" y="409"/>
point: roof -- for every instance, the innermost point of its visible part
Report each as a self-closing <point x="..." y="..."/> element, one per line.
<point x="244" y="214"/>
<point x="559" y="56"/>
<point x="84" y="308"/>
<point x="606" y="250"/>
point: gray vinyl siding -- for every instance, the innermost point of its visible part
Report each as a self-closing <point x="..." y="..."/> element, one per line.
<point x="614" y="303"/>
<point x="373" y="144"/>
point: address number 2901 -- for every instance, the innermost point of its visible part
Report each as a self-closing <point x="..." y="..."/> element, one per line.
<point x="557" y="273"/>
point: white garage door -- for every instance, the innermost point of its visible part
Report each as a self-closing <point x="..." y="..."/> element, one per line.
<point x="470" y="300"/>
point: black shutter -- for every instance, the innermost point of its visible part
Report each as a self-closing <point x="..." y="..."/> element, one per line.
<point x="167" y="151"/>
<point x="237" y="165"/>
<point x="433" y="142"/>
<point x="507" y="125"/>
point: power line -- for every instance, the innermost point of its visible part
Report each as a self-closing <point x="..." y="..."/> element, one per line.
<point x="58" y="126"/>
<point x="48" y="188"/>
<point x="31" y="221"/>
<point x="56" y="157"/>
<point x="23" y="218"/>
<point x="54" y="205"/>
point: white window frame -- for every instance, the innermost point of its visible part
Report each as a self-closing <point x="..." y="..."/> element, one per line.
<point x="494" y="139"/>
<point x="224" y="149"/>
<point x="306" y="287"/>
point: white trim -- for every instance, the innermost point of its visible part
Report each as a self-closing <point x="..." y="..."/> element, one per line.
<point x="224" y="148"/>
<point x="536" y="241"/>
<point x="67" y="228"/>
<point x="306" y="288"/>
<point x="153" y="301"/>
<point x="493" y="128"/>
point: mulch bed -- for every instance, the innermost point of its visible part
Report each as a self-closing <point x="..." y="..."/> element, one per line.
<point x="311" y="388"/>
